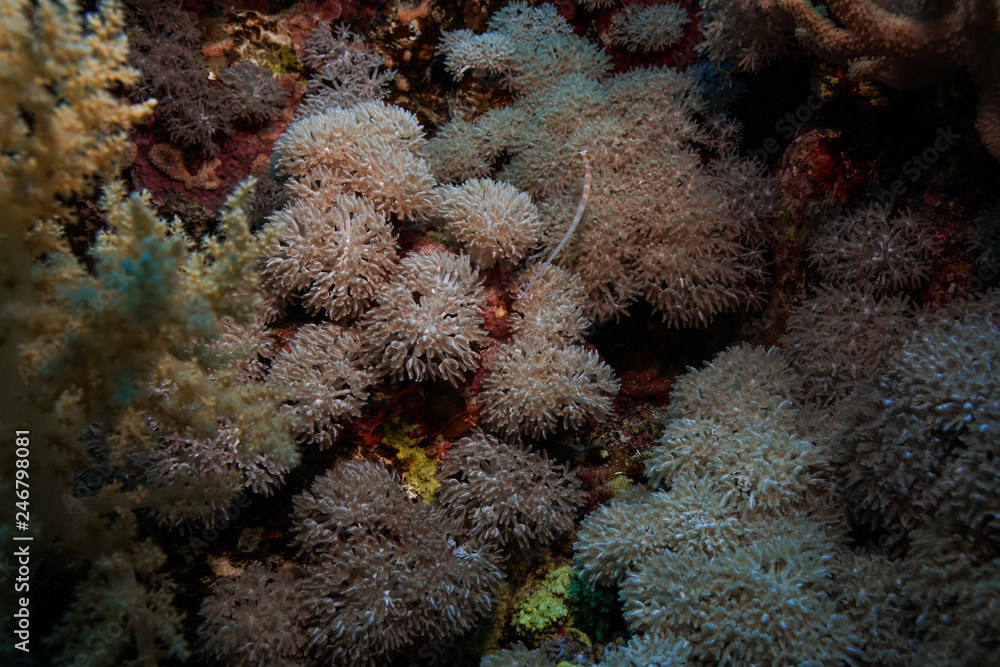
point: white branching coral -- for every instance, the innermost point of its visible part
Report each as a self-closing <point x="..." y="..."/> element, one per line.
<point x="327" y="377"/>
<point x="369" y="149"/>
<point x="648" y="28"/>
<point x="427" y="323"/>
<point x="334" y="252"/>
<point x="493" y="220"/>
<point x="506" y="492"/>
<point x="534" y="385"/>
<point x="871" y="246"/>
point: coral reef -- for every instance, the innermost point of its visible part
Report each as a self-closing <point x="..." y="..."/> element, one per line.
<point x="365" y="409"/>
<point x="657" y="224"/>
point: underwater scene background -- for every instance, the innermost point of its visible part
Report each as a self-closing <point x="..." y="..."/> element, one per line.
<point x="513" y="334"/>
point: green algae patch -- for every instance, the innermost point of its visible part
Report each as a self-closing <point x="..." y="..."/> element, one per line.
<point x="419" y="469"/>
<point x="545" y="608"/>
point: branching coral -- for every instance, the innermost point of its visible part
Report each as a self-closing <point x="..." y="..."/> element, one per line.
<point x="126" y="589"/>
<point x="427" y="322"/>
<point x="906" y="48"/>
<point x="506" y="493"/>
<point x="387" y="570"/>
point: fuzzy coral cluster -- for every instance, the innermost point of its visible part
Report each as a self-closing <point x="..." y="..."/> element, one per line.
<point x="334" y="253"/>
<point x="491" y="219"/>
<point x="195" y="106"/>
<point x="250" y="619"/>
<point x="845" y="336"/>
<point x="506" y="493"/>
<point x="658" y="224"/>
<point x="922" y="442"/>
<point x="426" y="323"/>
<point x="369" y="149"/>
<point x="872" y="247"/>
<point x="378" y="557"/>
<point x="735" y="553"/>
<point x="648" y="28"/>
<point x="346" y="71"/>
<point x="326" y="372"/>
<point x="543" y="379"/>
<point x="745" y="33"/>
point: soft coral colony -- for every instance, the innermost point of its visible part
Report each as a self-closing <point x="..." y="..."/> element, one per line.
<point x="319" y="426"/>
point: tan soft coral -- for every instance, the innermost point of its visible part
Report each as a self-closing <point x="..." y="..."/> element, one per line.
<point x="427" y="323"/>
<point x="334" y="251"/>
